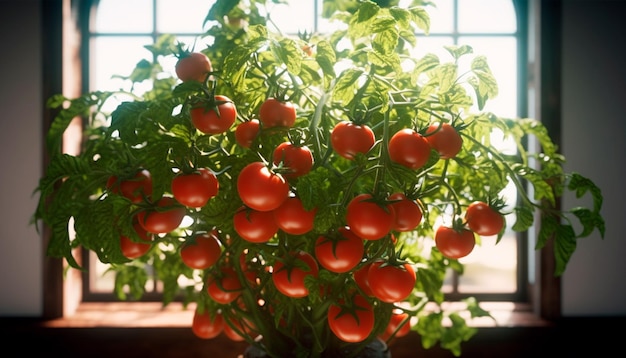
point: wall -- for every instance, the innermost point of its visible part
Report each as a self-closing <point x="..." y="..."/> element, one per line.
<point x="594" y="133"/>
<point x="20" y="157"/>
<point x="593" y="129"/>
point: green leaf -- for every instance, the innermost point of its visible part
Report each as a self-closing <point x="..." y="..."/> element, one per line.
<point x="590" y="220"/>
<point x="421" y="19"/>
<point x="429" y="327"/>
<point x="347" y="85"/>
<point x="458" y="51"/>
<point x="564" y="247"/>
<point x="581" y="185"/>
<point x="326" y="58"/>
<point x="524" y="217"/>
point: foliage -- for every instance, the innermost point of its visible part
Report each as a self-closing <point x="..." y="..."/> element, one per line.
<point x="362" y="74"/>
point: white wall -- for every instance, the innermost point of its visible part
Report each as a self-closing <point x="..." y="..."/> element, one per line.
<point x="594" y="136"/>
<point x="20" y="157"/>
<point x="593" y="128"/>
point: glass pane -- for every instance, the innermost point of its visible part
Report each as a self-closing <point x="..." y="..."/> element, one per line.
<point x="432" y="44"/>
<point x="298" y="15"/>
<point x="123" y="16"/>
<point x="491" y="267"/>
<point x="99" y="279"/>
<point x="441" y="17"/>
<point x="182" y="16"/>
<point x="501" y="54"/>
<point x="117" y="56"/>
<point x="487" y="16"/>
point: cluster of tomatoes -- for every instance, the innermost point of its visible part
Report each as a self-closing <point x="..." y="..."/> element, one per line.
<point x="269" y="205"/>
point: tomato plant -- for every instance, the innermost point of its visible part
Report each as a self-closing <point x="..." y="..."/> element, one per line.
<point x="136" y="188"/>
<point x="290" y="272"/>
<point x="260" y="188"/>
<point x="223" y="285"/>
<point x="194" y="189"/>
<point x="255" y="226"/>
<point x="207" y="325"/>
<point x="408" y="212"/>
<point x="276" y="113"/>
<point x="201" y="251"/>
<point x="133" y="249"/>
<point x="352" y="322"/>
<point x="483" y="219"/>
<point x="444" y="139"/>
<point x="295" y="160"/>
<point x="339" y="253"/>
<point x="360" y="278"/>
<point x="293" y="218"/>
<point x="409" y="148"/>
<point x="391" y="282"/>
<point x="369" y="219"/>
<point x="398" y="326"/>
<point x="215" y="116"/>
<point x="348" y="139"/>
<point x="246" y="132"/>
<point x="454" y="243"/>
<point x="194" y="66"/>
<point x="165" y="216"/>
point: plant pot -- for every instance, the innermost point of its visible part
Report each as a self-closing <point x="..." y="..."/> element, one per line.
<point x="377" y="348"/>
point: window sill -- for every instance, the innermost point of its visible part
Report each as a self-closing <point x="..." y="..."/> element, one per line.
<point x="154" y="315"/>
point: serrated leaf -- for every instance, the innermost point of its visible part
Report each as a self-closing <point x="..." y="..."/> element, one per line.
<point x="564" y="247"/>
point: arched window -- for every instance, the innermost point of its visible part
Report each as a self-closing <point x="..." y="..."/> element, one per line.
<point x="118" y="30"/>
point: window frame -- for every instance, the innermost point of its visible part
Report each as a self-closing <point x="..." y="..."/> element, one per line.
<point x="545" y="295"/>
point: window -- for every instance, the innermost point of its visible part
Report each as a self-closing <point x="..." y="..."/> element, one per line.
<point x="494" y="28"/>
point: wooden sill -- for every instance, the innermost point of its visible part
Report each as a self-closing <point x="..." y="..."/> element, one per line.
<point x="154" y="315"/>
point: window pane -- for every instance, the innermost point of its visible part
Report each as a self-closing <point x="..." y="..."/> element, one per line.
<point x="117" y="56"/>
<point x="501" y="54"/>
<point x="182" y="16"/>
<point x="487" y="16"/>
<point x="298" y="15"/>
<point x="124" y="16"/>
<point x="441" y="19"/>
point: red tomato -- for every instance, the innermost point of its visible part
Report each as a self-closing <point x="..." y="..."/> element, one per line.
<point x="408" y="212"/>
<point x="349" y="139"/>
<point x="409" y="148"/>
<point x="298" y="160"/>
<point x="165" y="217"/>
<point x="360" y="278"/>
<point x="352" y="323"/>
<point x="483" y="219"/>
<point x="340" y="254"/>
<point x="201" y="252"/>
<point x="444" y="139"/>
<point x="207" y="325"/>
<point x="454" y="243"/>
<point x="246" y="132"/>
<point x="368" y="219"/>
<point x="255" y="226"/>
<point x="293" y="218"/>
<point x="289" y="279"/>
<point x="276" y="113"/>
<point x="136" y="189"/>
<point x="261" y="189"/>
<point x="195" y="189"/>
<point x="391" y="283"/>
<point x="134" y="249"/>
<point x="193" y="66"/>
<point x="214" y="120"/>
<point x="398" y="326"/>
<point x="224" y="287"/>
